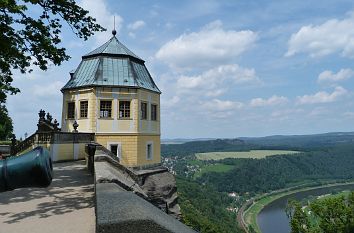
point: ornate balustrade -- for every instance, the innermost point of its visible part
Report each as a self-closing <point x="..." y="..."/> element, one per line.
<point x="51" y="138"/>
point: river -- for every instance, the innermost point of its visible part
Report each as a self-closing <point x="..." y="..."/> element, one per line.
<point x="273" y="219"/>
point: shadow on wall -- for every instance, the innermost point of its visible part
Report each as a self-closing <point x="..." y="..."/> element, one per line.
<point x="71" y="189"/>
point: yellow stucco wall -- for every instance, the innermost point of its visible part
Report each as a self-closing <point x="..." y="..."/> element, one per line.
<point x="85" y="124"/>
<point x="149" y="126"/>
<point x="67" y="151"/>
<point x="133" y="148"/>
<point x="142" y="150"/>
<point x="132" y="133"/>
<point x="63" y="151"/>
<point x="129" y="149"/>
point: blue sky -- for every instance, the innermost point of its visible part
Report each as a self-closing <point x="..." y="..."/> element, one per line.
<point x="226" y="68"/>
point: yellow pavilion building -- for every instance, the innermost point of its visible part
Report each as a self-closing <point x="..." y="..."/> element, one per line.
<point x="112" y="94"/>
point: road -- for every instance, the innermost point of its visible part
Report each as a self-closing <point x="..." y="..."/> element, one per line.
<point x="66" y="206"/>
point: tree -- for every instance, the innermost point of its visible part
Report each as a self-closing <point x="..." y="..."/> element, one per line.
<point x="26" y="40"/>
<point x="328" y="215"/>
<point x="299" y="221"/>
<point x="5" y="124"/>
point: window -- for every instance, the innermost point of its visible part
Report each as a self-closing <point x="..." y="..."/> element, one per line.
<point x="149" y="151"/>
<point x="124" y="109"/>
<point x="153" y="112"/>
<point x="105" y="109"/>
<point x="71" y="110"/>
<point x="114" y="149"/>
<point x="83" y="109"/>
<point x="143" y="111"/>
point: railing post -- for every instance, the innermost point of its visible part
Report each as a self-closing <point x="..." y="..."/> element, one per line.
<point x="36" y="139"/>
<point x="13" y="145"/>
<point x="90" y="149"/>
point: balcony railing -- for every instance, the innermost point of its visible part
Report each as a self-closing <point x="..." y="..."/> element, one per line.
<point x="52" y="137"/>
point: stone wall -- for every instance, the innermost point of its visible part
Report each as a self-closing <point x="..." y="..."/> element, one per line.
<point x="135" y="194"/>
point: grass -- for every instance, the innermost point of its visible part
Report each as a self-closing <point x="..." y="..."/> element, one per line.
<point x="196" y="162"/>
<point x="5" y="142"/>
<point x="254" y="154"/>
<point x="213" y="168"/>
<point x="344" y="193"/>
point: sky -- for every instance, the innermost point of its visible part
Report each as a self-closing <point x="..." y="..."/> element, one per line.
<point x="226" y="69"/>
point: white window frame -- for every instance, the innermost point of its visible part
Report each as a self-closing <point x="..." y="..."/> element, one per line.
<point x="104" y="114"/>
<point x="151" y="143"/>
<point x="119" y="148"/>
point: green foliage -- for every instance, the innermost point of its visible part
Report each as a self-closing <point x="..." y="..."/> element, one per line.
<point x="27" y="40"/>
<point x="297" y="143"/>
<point x="315" y="141"/>
<point x="190" y="148"/>
<point x="328" y="215"/>
<point x="213" y="168"/>
<point x="252" y="154"/>
<point x="328" y="157"/>
<point x="276" y="172"/>
<point x="6" y="127"/>
<point x="5" y="142"/>
<point x="299" y="221"/>
<point x="204" y="209"/>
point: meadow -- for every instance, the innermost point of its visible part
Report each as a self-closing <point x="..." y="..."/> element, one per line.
<point x="213" y="168"/>
<point x="254" y="154"/>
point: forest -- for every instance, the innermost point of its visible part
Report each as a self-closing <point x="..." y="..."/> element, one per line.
<point x="277" y="172"/>
<point x="203" y="198"/>
<point x="204" y="208"/>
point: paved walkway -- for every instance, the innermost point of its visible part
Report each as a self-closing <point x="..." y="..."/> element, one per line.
<point x="66" y="206"/>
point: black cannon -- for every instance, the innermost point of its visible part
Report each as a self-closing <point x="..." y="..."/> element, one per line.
<point x="32" y="169"/>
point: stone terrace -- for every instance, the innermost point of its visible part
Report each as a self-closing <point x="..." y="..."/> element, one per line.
<point x="65" y="206"/>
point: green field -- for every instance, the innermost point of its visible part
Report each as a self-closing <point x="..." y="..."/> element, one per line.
<point x="254" y="154"/>
<point x="5" y="142"/>
<point x="214" y="168"/>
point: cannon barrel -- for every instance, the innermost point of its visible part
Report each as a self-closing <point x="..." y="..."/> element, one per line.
<point x="32" y="169"/>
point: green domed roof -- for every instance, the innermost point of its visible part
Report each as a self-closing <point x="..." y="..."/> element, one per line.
<point x="112" y="47"/>
<point x="111" y="64"/>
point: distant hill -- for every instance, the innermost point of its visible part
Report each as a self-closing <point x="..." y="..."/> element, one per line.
<point x="181" y="147"/>
<point x="193" y="147"/>
<point x="183" y="140"/>
<point x="303" y="141"/>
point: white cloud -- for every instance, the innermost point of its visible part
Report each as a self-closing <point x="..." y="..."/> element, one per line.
<point x="207" y="89"/>
<point x="221" y="105"/>
<point x="136" y="25"/>
<point x="319" y="40"/>
<point x="348" y="114"/>
<point x="99" y="10"/>
<point x="322" y="96"/>
<point x="272" y="101"/>
<point x="318" y="111"/>
<point x="284" y="114"/>
<point x="167" y="103"/>
<point x="132" y="34"/>
<point x="48" y="90"/>
<point x="210" y="46"/>
<point x="329" y="76"/>
<point x="215" y="81"/>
